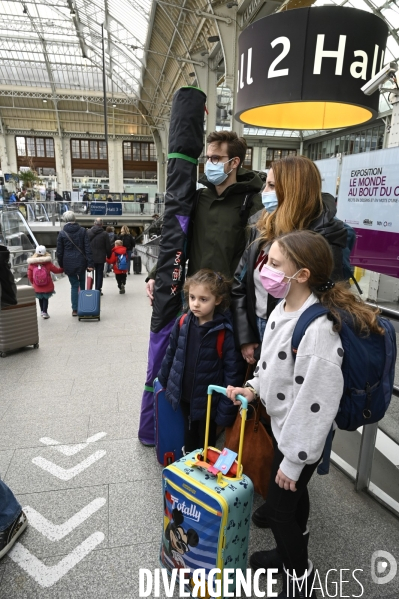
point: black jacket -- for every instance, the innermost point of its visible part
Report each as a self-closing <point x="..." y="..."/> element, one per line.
<point x="243" y="292"/>
<point x="128" y="241"/>
<point x="8" y="289"/>
<point x="209" y="369"/>
<point x="100" y="244"/>
<point x="69" y="257"/>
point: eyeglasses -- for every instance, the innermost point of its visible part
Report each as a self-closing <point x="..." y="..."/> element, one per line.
<point x="214" y="159"/>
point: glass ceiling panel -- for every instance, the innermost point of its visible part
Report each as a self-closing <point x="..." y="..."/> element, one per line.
<point x="57" y="46"/>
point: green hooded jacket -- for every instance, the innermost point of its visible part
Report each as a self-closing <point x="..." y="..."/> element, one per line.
<point x="218" y="233"/>
<point x="217" y="237"/>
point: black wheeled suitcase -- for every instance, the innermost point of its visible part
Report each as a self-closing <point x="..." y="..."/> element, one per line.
<point x="137" y="265"/>
<point x="89" y="302"/>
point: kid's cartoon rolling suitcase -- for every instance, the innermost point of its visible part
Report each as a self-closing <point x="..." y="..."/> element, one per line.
<point x="207" y="516"/>
<point x="169" y="428"/>
<point x="89" y="302"/>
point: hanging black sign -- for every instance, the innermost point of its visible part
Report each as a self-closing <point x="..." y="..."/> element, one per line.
<point x="303" y="68"/>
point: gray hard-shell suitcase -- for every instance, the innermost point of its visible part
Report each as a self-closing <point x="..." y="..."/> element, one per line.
<point x="18" y="324"/>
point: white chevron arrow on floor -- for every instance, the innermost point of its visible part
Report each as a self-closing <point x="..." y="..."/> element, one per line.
<point x="68" y="473"/>
<point x="56" y="532"/>
<point x="46" y="576"/>
<point x="71" y="449"/>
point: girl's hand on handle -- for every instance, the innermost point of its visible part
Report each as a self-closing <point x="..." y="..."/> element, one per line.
<point x="247" y="351"/>
<point x="232" y="392"/>
<point x="284" y="482"/>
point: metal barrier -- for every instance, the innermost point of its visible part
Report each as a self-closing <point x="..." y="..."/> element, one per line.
<point x="369" y="440"/>
<point x="36" y="211"/>
<point x="149" y="255"/>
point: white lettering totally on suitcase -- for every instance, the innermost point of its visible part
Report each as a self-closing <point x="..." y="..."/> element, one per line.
<point x="189" y="512"/>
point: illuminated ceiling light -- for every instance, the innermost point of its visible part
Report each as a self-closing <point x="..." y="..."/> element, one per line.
<point x="113" y="105"/>
<point x="291" y="76"/>
<point x="44" y="101"/>
<point x="213" y="38"/>
<point x="72" y="12"/>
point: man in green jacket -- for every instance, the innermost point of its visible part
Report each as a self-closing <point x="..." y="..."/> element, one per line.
<point x="231" y="196"/>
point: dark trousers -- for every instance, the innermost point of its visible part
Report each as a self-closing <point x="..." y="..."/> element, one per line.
<point x="99" y="273"/>
<point x="288" y="514"/>
<point x="43" y="301"/>
<point x="194" y="432"/>
<point x="121" y="279"/>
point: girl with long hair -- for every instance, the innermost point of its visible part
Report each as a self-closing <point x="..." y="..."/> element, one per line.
<point x="301" y="396"/>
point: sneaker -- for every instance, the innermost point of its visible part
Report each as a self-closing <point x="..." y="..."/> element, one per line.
<point x="11" y="534"/>
<point x="74" y="312"/>
<point x="101" y="293"/>
<point x="122" y="289"/>
<point x="45" y="315"/>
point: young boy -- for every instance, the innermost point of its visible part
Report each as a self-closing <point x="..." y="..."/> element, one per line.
<point x="119" y="260"/>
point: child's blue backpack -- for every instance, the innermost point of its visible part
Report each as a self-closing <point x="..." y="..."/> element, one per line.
<point x="121" y="262"/>
<point x="368" y="368"/>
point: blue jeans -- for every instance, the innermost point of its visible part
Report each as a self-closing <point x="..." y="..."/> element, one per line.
<point x="9" y="507"/>
<point x="129" y="259"/>
<point x="77" y="281"/>
<point x="261" y="324"/>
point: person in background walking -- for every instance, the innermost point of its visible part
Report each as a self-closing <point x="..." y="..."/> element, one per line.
<point x="39" y="269"/>
<point x="119" y="260"/>
<point x="129" y="243"/>
<point x="74" y="255"/>
<point x="101" y="248"/>
<point x="112" y="237"/>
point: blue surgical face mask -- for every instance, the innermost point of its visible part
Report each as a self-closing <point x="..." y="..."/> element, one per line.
<point x="269" y="200"/>
<point x="215" y="172"/>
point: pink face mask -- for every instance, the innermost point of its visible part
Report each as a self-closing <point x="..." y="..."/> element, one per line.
<point x="273" y="281"/>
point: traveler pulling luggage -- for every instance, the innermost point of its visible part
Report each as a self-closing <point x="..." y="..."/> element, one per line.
<point x="89" y="301"/>
<point x="206" y="515"/>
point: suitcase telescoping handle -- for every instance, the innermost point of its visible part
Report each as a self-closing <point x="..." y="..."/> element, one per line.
<point x="244" y="405"/>
<point x="89" y="281"/>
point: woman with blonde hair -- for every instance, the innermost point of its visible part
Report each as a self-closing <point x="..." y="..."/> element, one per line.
<point x="128" y="242"/>
<point x="293" y="201"/>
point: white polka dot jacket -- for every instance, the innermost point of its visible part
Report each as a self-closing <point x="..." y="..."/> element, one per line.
<point x="301" y="396"/>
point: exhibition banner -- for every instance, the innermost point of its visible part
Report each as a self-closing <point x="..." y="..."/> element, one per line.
<point x="368" y="201"/>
